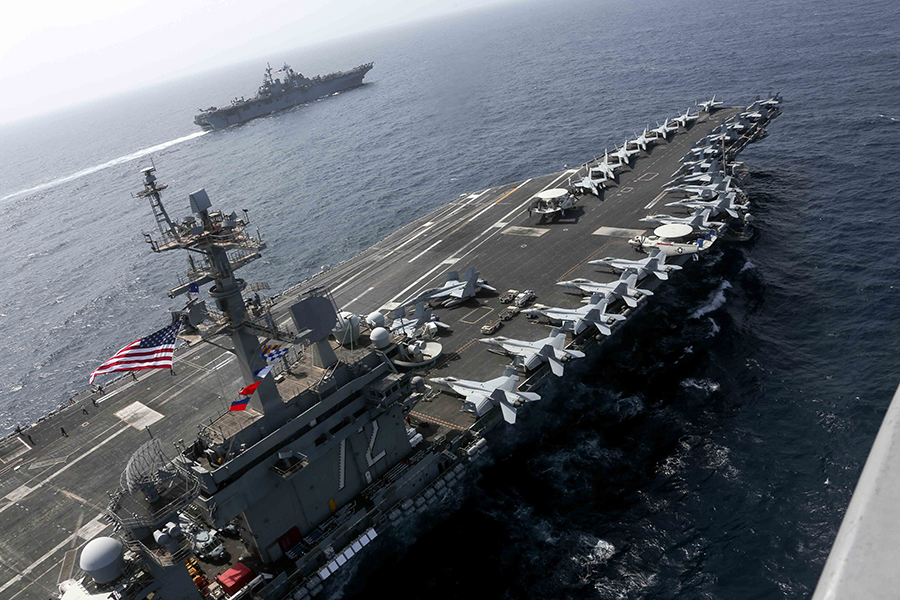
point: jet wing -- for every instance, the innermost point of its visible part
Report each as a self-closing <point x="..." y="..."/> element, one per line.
<point x="532" y="360"/>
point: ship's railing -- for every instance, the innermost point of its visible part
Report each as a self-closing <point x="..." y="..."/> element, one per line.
<point x="130" y="512"/>
<point x="160" y="555"/>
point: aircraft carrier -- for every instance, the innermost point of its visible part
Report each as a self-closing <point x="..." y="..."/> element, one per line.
<point x="355" y="429"/>
<point x="279" y="93"/>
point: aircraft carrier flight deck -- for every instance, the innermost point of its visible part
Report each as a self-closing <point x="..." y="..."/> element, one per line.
<point x="55" y="475"/>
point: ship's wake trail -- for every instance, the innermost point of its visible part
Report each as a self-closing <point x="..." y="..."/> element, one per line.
<point x="106" y="165"/>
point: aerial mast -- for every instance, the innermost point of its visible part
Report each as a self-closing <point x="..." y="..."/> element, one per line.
<point x="224" y="247"/>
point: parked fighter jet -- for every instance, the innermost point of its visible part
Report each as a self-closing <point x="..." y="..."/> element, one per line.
<point x="421" y="316"/>
<point x="655" y="263"/>
<point x="696" y="167"/>
<point x="698" y="178"/>
<point x="456" y="290"/>
<point x="481" y="396"/>
<point x="581" y="318"/>
<point x="662" y="131"/>
<point x="715" y="138"/>
<point x="597" y="176"/>
<point x="705" y="191"/>
<point x="725" y="202"/>
<point x="772" y="102"/>
<point x="710" y="105"/>
<point x="702" y="152"/>
<point x="531" y="354"/>
<point x="625" y="288"/>
<point x="623" y="154"/>
<point x="686" y="119"/>
<point x="642" y="141"/>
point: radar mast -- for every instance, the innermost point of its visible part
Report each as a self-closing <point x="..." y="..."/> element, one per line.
<point x="224" y="246"/>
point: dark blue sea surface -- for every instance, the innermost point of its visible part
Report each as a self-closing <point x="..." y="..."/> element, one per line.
<point x="712" y="452"/>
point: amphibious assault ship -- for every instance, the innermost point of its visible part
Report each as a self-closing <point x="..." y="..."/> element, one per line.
<point x="279" y="93"/>
<point x="373" y="412"/>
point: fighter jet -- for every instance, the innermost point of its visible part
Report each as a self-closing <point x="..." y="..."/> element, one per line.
<point x="595" y="179"/>
<point x="725" y="202"/>
<point x="421" y="316"/>
<point x="710" y="105"/>
<point x="662" y="131"/>
<point x="642" y="141"/>
<point x="702" y="152"/>
<point x="531" y="354"/>
<point x="625" y="288"/>
<point x="699" y="220"/>
<point x="705" y="191"/>
<point x="623" y="154"/>
<point x="772" y="102"/>
<point x="696" y="167"/>
<point x="456" y="290"/>
<point x="655" y="263"/>
<point x="715" y="138"/>
<point x="686" y="119"/>
<point x="581" y="318"/>
<point x="481" y="396"/>
<point x="709" y="177"/>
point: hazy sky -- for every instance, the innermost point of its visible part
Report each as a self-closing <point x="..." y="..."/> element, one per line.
<point x="59" y="52"/>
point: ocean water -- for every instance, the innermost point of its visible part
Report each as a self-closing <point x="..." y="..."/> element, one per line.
<point x="710" y="454"/>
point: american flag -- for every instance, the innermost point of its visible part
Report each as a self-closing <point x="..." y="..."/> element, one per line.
<point x="152" y="352"/>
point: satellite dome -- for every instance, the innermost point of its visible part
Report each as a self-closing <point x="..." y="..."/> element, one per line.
<point x="380" y="337"/>
<point x="346" y="330"/>
<point x="102" y="558"/>
<point x="375" y="319"/>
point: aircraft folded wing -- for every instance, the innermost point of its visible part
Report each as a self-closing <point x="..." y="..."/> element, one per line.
<point x="531" y="360"/>
<point x="556" y="366"/>
<point x="506" y="407"/>
<point x="440" y="292"/>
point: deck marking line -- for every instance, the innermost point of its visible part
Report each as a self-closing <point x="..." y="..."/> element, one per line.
<point x="357" y="298"/>
<point x="422" y="253"/>
<point x="492" y="230"/>
<point x="655" y="200"/>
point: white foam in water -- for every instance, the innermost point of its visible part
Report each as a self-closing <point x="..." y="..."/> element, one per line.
<point x="707" y="385"/>
<point x="106" y="165"/>
<point x="716" y="301"/>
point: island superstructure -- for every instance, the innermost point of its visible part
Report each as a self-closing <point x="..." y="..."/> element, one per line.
<point x="360" y="426"/>
<point x="279" y="93"/>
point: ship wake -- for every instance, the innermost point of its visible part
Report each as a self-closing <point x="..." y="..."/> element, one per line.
<point x="110" y="163"/>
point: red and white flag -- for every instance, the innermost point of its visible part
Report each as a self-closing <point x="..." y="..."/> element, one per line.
<point x="155" y="351"/>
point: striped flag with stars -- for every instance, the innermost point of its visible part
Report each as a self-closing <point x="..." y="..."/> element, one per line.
<point x="156" y="351"/>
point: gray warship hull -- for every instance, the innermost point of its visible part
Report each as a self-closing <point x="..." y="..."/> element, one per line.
<point x="355" y="454"/>
<point x="241" y="112"/>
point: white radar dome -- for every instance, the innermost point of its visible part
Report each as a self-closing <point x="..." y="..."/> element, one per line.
<point x="346" y="330"/>
<point x="375" y="319"/>
<point x="102" y="558"/>
<point x="380" y="338"/>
